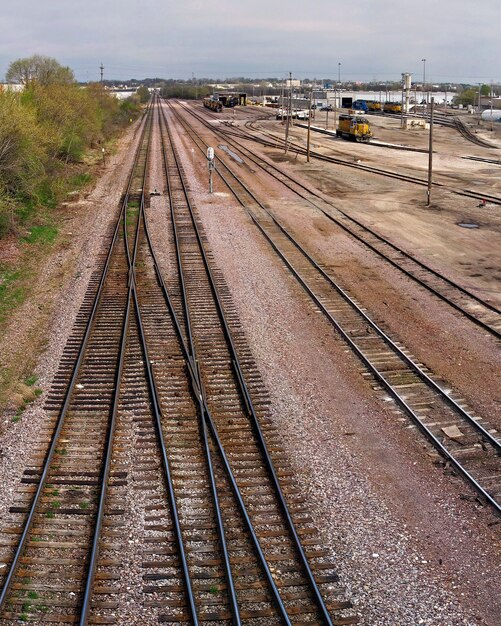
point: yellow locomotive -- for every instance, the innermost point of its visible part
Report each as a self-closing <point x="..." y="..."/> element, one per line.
<point x="392" y="107"/>
<point x="354" y="128"/>
<point x="373" y="105"/>
<point x="213" y="105"/>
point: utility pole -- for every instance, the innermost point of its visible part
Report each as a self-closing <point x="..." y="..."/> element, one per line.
<point x="309" y="128"/>
<point x="289" y="113"/>
<point x="101" y="67"/>
<point x="492" y="98"/>
<point x="479" y="95"/>
<point x="339" y="73"/>
<point x="335" y="106"/>
<point x="402" y="103"/>
<point x="424" y="76"/>
<point x="430" y="155"/>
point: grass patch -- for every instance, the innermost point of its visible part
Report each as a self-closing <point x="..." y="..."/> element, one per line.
<point x="50" y="515"/>
<point x="12" y="294"/>
<point x="45" y="235"/>
<point x="33" y="595"/>
<point x="19" y="413"/>
<point x="79" y="180"/>
<point x="84" y="505"/>
<point x="31" y="380"/>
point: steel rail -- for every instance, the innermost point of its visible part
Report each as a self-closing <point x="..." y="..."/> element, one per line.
<point x="166" y="465"/>
<point x="416" y="369"/>
<point x="190" y="358"/>
<point x="252" y="414"/>
<point x="68" y="396"/>
<point x="494" y="442"/>
<point x="259" y="162"/>
<point x="158" y="425"/>
<point x="197" y="385"/>
<point x="477" y="195"/>
<point x="105" y="475"/>
<point x="380" y="378"/>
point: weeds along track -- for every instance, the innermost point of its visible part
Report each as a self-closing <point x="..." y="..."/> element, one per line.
<point x="261" y="565"/>
<point x="466" y="442"/>
<point x="71" y="496"/>
<point x="477" y="310"/>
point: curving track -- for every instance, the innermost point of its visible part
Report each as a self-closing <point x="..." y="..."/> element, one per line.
<point x="481" y="312"/>
<point x="466" y="441"/>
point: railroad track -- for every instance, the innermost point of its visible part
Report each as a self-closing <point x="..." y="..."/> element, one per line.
<point x="160" y="421"/>
<point x="271" y="140"/>
<point x="72" y="485"/>
<point x="466" y="442"/>
<point x="468" y="134"/>
<point x="284" y="572"/>
<point x="481" y="312"/>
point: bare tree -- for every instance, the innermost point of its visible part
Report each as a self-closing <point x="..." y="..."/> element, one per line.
<point x="40" y="69"/>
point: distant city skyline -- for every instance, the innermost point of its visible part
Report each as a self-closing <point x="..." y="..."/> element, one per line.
<point x="373" y="41"/>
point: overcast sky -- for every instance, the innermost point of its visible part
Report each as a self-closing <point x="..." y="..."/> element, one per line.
<point x="460" y="39"/>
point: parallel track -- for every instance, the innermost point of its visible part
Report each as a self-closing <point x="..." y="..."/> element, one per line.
<point x="55" y="552"/>
<point x="472" y="450"/>
<point x="280" y="582"/>
<point x="271" y="140"/>
<point x="479" y="311"/>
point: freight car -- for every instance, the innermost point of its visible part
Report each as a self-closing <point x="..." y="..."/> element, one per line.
<point x="213" y="105"/>
<point x="392" y="107"/>
<point x="354" y="128"/>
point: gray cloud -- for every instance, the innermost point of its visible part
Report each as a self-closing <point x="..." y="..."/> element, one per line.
<point x="377" y="39"/>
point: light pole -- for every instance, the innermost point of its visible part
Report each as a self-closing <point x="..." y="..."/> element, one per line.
<point x="424" y="74"/>
<point x="339" y="73"/>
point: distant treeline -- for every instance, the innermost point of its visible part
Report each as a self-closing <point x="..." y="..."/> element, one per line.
<point x="46" y="130"/>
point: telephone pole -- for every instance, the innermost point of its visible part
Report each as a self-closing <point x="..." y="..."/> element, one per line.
<point x="289" y="113"/>
<point x="309" y="129"/>
<point x="101" y="67"/>
<point x="430" y="156"/>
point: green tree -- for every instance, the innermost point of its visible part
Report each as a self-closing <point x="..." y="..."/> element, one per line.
<point x="466" y="97"/>
<point x="143" y="94"/>
<point x="41" y="69"/>
<point x="45" y="131"/>
<point x="485" y="90"/>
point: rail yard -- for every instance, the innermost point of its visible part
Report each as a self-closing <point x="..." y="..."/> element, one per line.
<point x="272" y="402"/>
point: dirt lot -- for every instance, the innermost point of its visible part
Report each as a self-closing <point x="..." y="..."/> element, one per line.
<point x="367" y="472"/>
<point x="412" y="547"/>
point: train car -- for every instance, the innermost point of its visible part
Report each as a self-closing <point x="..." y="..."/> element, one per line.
<point x="213" y="105"/>
<point x="392" y="107"/>
<point x="374" y="106"/>
<point x="354" y="128"/>
<point x="360" y="105"/>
